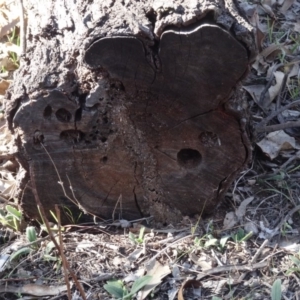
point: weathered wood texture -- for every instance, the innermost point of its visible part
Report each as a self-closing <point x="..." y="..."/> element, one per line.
<point x="130" y="98"/>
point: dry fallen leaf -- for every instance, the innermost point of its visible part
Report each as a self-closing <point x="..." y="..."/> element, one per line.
<point x="268" y="9"/>
<point x="270" y="49"/>
<point x="135" y="254"/>
<point x="276" y="141"/>
<point x="217" y="285"/>
<point x="268" y="2"/>
<point x="286" y="5"/>
<point x="241" y="211"/>
<point x="176" y="272"/>
<point x="157" y="272"/>
<point x="291" y="113"/>
<point x="4" y="84"/>
<point x="230" y="220"/>
<point x="201" y="261"/>
<point x="251" y="227"/>
<point x="255" y="91"/>
<point x="34" y="289"/>
<point x="294" y="71"/>
<point x="8" y="184"/>
<point x="9" y="16"/>
<point x="172" y="292"/>
<point x="3" y="260"/>
<point x="7" y="63"/>
<point x="266" y="233"/>
<point x="274" y="89"/>
<point x="190" y="283"/>
<point x="249" y="10"/>
<point x="297" y="26"/>
<point x="259" y="30"/>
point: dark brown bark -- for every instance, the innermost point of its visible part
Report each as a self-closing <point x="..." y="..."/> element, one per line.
<point x="131" y="99"/>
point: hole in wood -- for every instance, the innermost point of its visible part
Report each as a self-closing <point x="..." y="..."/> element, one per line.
<point x="209" y="139"/>
<point x="117" y="85"/>
<point x="38" y="138"/>
<point x="104" y="159"/>
<point x="78" y="114"/>
<point x="47" y="112"/>
<point x="72" y="135"/>
<point x="63" y="115"/>
<point x="105" y="120"/>
<point x="189" y="158"/>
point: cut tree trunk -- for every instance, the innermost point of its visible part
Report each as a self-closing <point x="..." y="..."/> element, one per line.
<point x="128" y="109"/>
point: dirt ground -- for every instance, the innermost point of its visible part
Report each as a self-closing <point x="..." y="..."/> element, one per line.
<point x="250" y="247"/>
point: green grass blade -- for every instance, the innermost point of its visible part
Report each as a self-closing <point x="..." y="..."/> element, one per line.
<point x="224" y="240"/>
<point x="141" y="235"/>
<point x="54" y="216"/>
<point x="20" y="252"/>
<point x="115" y="288"/>
<point x="31" y="234"/>
<point x="14" y="212"/>
<point x="276" y="290"/>
<point x="295" y="260"/>
<point x="138" y="285"/>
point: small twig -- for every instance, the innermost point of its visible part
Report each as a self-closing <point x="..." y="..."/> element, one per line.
<point x="282" y="86"/>
<point x="58" y="175"/>
<point x="102" y="277"/>
<point x="285" y="219"/>
<point x="62" y="254"/>
<point x="58" y="297"/>
<point x="277" y="127"/>
<point x="241" y="278"/>
<point x="7" y="201"/>
<point x="119" y="200"/>
<point x="164" y="241"/>
<point x="29" y="257"/>
<point x="230" y="268"/>
<point x="216" y="258"/>
<point x="259" y="251"/>
<point x="118" y="223"/>
<point x="242" y="176"/>
<point x="263" y="93"/>
<point x="233" y="289"/>
<point x="284" y="165"/>
<point x="75" y="201"/>
<point x="167" y="247"/>
<point x="275" y="113"/>
<point x="18" y="279"/>
<point x="171" y="230"/>
<point x="86" y="227"/>
<point x="35" y="242"/>
<point x="22" y="28"/>
<point x="296" y="278"/>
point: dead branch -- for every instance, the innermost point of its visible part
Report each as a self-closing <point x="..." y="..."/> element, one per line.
<point x="275" y="113"/>
<point x="231" y="268"/>
<point x="277" y="127"/>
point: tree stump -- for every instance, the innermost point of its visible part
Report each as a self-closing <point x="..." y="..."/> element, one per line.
<point x="134" y="108"/>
